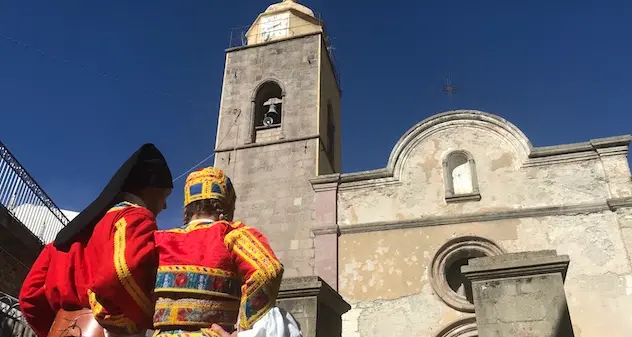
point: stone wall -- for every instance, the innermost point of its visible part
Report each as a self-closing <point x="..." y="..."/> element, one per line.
<point x="271" y="177"/>
<point x="385" y="275"/>
<point x="573" y="198"/>
<point x="293" y="64"/>
<point x="18" y="250"/>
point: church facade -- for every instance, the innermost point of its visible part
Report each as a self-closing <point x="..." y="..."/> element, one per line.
<point x="459" y="185"/>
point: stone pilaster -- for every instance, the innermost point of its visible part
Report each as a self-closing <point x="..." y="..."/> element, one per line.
<point x="326" y="228"/>
<point x="317" y="307"/>
<point x="520" y="294"/>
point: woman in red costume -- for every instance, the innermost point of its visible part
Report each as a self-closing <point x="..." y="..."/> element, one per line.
<point x="215" y="273"/>
<point x="99" y="272"/>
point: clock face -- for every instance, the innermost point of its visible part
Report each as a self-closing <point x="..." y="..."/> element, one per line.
<point x="274" y="26"/>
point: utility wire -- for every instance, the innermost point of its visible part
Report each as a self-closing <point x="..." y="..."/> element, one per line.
<point x="116" y="78"/>
<point x="110" y="77"/>
<point x="86" y="68"/>
<point x="213" y="154"/>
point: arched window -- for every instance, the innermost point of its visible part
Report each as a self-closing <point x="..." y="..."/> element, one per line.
<point x="268" y="106"/>
<point x="460" y="177"/>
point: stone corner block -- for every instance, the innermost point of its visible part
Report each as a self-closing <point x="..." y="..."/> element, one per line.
<point x="520" y="264"/>
<point x="318" y="308"/>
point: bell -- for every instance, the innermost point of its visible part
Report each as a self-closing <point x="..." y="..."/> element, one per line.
<point x="268" y="121"/>
<point x="272" y="110"/>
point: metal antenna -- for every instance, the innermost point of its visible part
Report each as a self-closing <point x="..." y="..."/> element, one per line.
<point x="448" y="88"/>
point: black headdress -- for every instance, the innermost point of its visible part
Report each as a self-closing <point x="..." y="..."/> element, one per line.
<point x="147" y="167"/>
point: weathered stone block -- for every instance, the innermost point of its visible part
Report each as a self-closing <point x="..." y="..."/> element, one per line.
<point x="520" y="294"/>
<point x="317" y="307"/>
<point x="18" y="250"/>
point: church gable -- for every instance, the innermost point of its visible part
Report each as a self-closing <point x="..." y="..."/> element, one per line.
<point x="453" y="160"/>
<point x="462" y="128"/>
<point x="464" y="163"/>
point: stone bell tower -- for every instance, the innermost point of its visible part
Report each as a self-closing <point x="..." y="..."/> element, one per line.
<point x="279" y="126"/>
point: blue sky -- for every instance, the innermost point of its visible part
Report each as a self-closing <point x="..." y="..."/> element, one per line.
<point x="101" y="78"/>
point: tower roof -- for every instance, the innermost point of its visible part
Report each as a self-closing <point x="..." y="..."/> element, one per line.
<point x="289" y="18"/>
<point x="289" y="4"/>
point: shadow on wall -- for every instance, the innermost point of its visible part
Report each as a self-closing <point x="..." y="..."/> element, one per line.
<point x="564" y="326"/>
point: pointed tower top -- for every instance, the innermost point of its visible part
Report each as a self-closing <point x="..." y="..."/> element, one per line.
<point x="289" y="4"/>
<point x="283" y="20"/>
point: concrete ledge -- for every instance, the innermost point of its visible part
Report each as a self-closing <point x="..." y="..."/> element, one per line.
<point x="463" y="198"/>
<point x="516" y="265"/>
<point x="313" y="286"/>
<point x="317" y="307"/>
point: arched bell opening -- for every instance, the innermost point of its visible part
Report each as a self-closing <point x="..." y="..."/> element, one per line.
<point x="268" y="106"/>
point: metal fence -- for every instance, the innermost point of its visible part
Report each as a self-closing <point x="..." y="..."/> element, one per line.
<point x="26" y="201"/>
<point x="12" y="323"/>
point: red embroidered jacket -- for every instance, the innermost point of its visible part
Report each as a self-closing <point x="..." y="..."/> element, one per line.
<point x="56" y="280"/>
<point x="124" y="269"/>
<point x="112" y="272"/>
<point x="209" y="272"/>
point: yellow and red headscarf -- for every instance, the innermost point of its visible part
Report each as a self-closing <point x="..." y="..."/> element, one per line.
<point x="208" y="183"/>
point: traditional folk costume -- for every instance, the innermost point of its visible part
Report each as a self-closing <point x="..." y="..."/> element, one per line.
<point x="102" y="264"/>
<point x="220" y="272"/>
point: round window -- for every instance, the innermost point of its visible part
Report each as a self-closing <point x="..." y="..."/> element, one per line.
<point x="445" y="273"/>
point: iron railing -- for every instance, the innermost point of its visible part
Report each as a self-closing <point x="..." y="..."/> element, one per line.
<point x="26" y="201"/>
<point x="12" y="323"/>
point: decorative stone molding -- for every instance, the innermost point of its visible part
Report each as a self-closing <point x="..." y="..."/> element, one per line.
<point x="454" y="119"/>
<point x="325" y="182"/>
<point x="585" y="208"/>
<point x="326" y="231"/>
<point x="274" y="142"/>
<point x="529" y="155"/>
<point x="256" y="45"/>
<point x="464" y="327"/>
<point x="616" y="203"/>
<point x="566" y="153"/>
<point x="451" y="252"/>
<point x="261" y="83"/>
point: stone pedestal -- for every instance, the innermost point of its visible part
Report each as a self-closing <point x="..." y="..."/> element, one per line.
<point x="315" y="305"/>
<point x="520" y="294"/>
